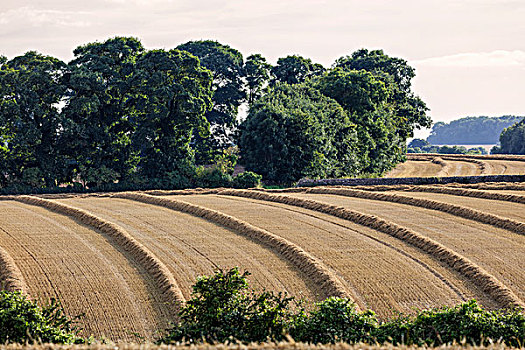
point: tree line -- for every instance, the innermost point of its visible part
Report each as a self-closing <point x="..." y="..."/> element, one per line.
<point x="471" y="130"/>
<point x="118" y="113"/>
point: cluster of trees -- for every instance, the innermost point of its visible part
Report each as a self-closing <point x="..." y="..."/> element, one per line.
<point x="349" y="120"/>
<point x="512" y="140"/>
<point x="423" y="146"/>
<point x="471" y="130"/>
<point x="120" y="113"/>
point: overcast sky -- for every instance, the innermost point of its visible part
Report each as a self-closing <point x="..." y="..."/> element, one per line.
<point x="469" y="55"/>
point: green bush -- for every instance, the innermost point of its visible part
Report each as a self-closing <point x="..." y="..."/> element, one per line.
<point x="336" y="320"/>
<point x="464" y="323"/>
<point x="24" y="321"/>
<point x="222" y="309"/>
<point x="212" y="177"/>
<point x="247" y="179"/>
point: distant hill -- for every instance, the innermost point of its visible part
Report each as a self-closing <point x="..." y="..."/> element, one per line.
<point x="471" y="130"/>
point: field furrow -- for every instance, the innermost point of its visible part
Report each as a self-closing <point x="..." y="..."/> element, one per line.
<point x="511" y="210"/>
<point x="191" y="246"/>
<point x="60" y="258"/>
<point x="428" y="168"/>
<point x="498" y="251"/>
<point x="383" y="273"/>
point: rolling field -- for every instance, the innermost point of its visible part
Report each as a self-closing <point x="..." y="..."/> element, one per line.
<point x="124" y="258"/>
<point x="430" y="165"/>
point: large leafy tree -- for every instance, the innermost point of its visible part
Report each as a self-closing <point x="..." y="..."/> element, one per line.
<point x="365" y="99"/>
<point x="31" y="90"/>
<point x="293" y="132"/>
<point x="409" y="110"/>
<point x="173" y="93"/>
<point x="295" y="69"/>
<point x="257" y="75"/>
<point x="100" y="109"/>
<point x="512" y="139"/>
<point x="226" y="65"/>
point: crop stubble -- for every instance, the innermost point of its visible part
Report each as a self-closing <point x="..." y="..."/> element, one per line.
<point x="381" y="273"/>
<point x="500" y="252"/>
<point x="59" y="258"/>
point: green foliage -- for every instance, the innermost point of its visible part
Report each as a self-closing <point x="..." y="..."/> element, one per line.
<point x="24" y="321"/>
<point x="295" y="69"/>
<point x="471" y="130"/>
<point x="247" y="179"/>
<point x="99" y="108"/>
<point x="226" y="65"/>
<point x="293" y="132"/>
<point x="173" y="93"/>
<point x="512" y="139"/>
<point x="30" y="147"/>
<point x="336" y="320"/>
<point x="465" y="323"/>
<point x="257" y="75"/>
<point x="221" y="309"/>
<point x="446" y="149"/>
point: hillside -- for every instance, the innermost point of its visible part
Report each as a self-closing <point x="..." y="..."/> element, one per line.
<point x="471" y="130"/>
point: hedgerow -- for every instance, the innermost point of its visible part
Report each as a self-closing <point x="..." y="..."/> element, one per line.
<point x="223" y="309"/>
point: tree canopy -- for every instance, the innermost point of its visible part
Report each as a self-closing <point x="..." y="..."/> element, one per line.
<point x="512" y="139"/>
<point x="294" y="131"/>
<point x="120" y="114"/>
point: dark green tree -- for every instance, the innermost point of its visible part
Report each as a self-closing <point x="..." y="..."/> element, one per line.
<point x="257" y="75"/>
<point x="172" y="94"/>
<point x="513" y="139"/>
<point x="30" y="120"/>
<point x="100" y="110"/>
<point x="295" y="69"/>
<point x="409" y="110"/>
<point x="365" y="98"/>
<point x="226" y="65"/>
<point x="294" y="131"/>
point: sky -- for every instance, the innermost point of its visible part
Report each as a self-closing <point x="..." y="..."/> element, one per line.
<point x="469" y="55"/>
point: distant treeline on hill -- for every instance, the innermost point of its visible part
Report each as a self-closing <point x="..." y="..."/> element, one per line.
<point x="471" y="130"/>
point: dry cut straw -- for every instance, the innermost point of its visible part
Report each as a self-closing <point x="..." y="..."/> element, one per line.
<point x="327" y="281"/>
<point x="457" y="210"/>
<point x="162" y="276"/>
<point x="489" y="284"/>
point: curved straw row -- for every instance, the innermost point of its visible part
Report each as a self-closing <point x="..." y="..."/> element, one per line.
<point x="464" y="212"/>
<point x="464" y="266"/>
<point x="162" y="276"/>
<point x="311" y="266"/>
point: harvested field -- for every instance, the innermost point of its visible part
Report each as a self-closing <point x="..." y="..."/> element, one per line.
<point x="191" y="247"/>
<point x="505" y="209"/>
<point x="500" y="252"/>
<point x="430" y="165"/>
<point x="383" y="273"/>
<point x="59" y="258"/>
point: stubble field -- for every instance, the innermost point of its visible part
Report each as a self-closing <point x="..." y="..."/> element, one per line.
<point x="123" y="258"/>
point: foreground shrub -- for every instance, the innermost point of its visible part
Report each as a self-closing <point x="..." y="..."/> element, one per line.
<point x="336" y="320"/>
<point x="464" y="323"/>
<point x="24" y="321"/>
<point x="222" y="309"/>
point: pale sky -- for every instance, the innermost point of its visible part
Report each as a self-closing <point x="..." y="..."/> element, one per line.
<point x="469" y="55"/>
